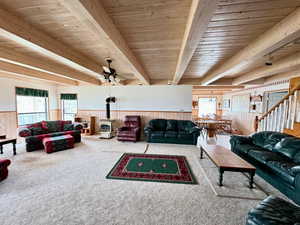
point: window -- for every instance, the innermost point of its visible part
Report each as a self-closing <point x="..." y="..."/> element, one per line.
<point x="32" y="105"/>
<point x="272" y="98"/>
<point x="207" y="107"/>
<point x="69" y="106"/>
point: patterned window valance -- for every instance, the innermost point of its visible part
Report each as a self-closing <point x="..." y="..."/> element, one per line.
<point x="68" y="96"/>
<point x="31" y="92"/>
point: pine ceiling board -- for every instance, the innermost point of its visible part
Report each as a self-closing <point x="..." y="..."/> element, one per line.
<point x="237" y="23"/>
<point x="240" y="27"/>
<point x="254" y="6"/>
<point x="153" y="29"/>
<point x="54" y="19"/>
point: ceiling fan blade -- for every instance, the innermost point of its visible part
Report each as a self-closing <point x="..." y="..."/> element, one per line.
<point x="106" y="69"/>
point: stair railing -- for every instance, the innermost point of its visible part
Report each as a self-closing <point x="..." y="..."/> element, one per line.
<point x="282" y="115"/>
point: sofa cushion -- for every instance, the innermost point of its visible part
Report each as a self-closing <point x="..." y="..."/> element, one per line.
<point x="185" y="125"/>
<point x="268" y="139"/>
<point x="283" y="169"/>
<point x="184" y="135"/>
<point x="289" y="147"/>
<point x="171" y="134"/>
<point x="37" y="131"/>
<point x="172" y="125"/>
<point x="52" y="126"/>
<point x="265" y="156"/>
<point x="157" y="134"/>
<point x="245" y="148"/>
<point x="68" y="127"/>
<point x="158" y="124"/>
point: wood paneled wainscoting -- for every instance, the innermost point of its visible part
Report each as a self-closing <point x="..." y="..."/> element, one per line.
<point x="8" y="123"/>
<point x="146" y="116"/>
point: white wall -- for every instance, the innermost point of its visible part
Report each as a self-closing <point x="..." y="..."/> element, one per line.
<point x="8" y="96"/>
<point x="139" y="98"/>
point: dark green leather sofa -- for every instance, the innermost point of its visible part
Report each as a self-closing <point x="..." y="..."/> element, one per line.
<point x="276" y="157"/>
<point x="172" y="131"/>
<point x="274" y="211"/>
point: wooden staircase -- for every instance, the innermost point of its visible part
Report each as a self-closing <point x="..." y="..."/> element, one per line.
<point x="285" y="115"/>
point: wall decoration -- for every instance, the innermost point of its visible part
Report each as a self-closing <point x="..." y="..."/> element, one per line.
<point x="256" y="103"/>
<point x="226" y="104"/>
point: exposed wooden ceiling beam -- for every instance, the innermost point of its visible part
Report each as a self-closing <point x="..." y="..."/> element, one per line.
<point x="200" y="14"/>
<point x="282" y="33"/>
<point x="27" y="72"/>
<point x="283" y="76"/>
<point x="92" y="14"/>
<point x="44" y="65"/>
<point x="280" y="66"/>
<point x="18" y="30"/>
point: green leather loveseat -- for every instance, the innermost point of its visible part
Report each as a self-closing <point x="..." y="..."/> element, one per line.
<point x="172" y="131"/>
<point x="276" y="157"/>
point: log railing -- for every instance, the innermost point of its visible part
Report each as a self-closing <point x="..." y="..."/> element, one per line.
<point x="281" y="116"/>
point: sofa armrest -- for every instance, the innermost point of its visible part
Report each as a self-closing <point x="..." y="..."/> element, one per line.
<point x="195" y="130"/>
<point x="296" y="170"/>
<point x="78" y="126"/>
<point x="25" y="132"/>
<point x="136" y="129"/>
<point x="148" y="130"/>
<point x="4" y="163"/>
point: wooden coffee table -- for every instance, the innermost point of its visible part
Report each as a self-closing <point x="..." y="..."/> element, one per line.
<point x="226" y="160"/>
<point x="8" y="141"/>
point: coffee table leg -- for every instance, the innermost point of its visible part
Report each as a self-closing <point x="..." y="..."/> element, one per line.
<point x="1" y="149"/>
<point x="14" y="148"/>
<point x="251" y="181"/>
<point x="221" y="172"/>
<point x="201" y="153"/>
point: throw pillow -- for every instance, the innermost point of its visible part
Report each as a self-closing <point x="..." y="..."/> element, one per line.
<point x="68" y="127"/>
<point x="289" y="147"/>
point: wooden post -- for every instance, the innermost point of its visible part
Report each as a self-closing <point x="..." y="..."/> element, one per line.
<point x="256" y="123"/>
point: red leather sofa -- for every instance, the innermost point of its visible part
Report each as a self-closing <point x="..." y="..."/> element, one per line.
<point x="132" y="129"/>
<point x="4" y="163"/>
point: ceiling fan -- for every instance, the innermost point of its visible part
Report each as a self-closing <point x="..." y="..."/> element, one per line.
<point x="109" y="74"/>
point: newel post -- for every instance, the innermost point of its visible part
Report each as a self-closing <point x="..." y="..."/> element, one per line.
<point x="256" y="120"/>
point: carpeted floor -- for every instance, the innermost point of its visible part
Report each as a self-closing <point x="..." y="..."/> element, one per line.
<point x="69" y="188"/>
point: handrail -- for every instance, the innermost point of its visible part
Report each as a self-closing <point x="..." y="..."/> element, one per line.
<point x="281" y="101"/>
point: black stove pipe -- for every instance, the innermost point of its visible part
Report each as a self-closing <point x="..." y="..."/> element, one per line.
<point x="108" y="101"/>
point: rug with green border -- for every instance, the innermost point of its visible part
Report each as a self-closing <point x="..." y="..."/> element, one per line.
<point x="156" y="168"/>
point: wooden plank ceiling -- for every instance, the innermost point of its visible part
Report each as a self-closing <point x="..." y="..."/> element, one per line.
<point x="153" y="30"/>
<point x="235" y="24"/>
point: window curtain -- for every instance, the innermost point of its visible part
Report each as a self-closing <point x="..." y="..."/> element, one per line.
<point x="68" y="96"/>
<point x="31" y="92"/>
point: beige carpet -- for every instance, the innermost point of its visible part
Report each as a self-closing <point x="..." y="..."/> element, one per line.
<point x="69" y="188"/>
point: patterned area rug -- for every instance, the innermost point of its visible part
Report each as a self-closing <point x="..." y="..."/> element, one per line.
<point x="156" y="168"/>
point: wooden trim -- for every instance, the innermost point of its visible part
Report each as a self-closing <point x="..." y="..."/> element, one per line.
<point x="103" y="110"/>
<point x="8" y="111"/>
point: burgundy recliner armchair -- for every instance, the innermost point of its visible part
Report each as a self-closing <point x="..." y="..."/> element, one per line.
<point x="132" y="129"/>
<point x="4" y="163"/>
